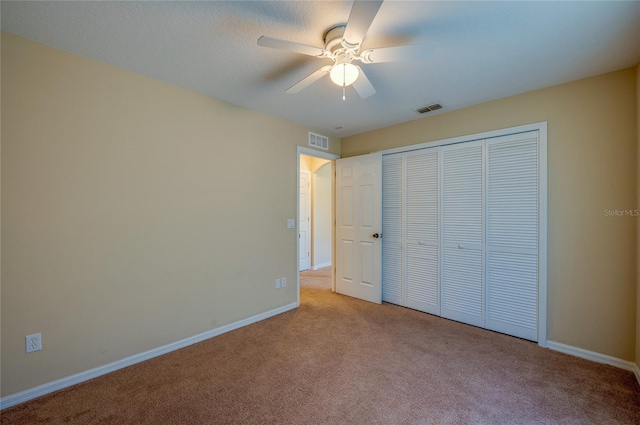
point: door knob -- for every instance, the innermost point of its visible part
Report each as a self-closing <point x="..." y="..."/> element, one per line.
<point x="376" y="235"/>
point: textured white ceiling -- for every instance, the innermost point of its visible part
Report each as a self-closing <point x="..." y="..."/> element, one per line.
<point x="485" y="50"/>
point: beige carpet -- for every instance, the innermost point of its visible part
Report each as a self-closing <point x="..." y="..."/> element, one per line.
<point x="337" y="360"/>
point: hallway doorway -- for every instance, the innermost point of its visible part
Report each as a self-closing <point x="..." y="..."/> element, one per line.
<point x="315" y="250"/>
<point x="315" y="210"/>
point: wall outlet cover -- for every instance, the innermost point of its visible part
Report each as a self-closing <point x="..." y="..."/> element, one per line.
<point x="33" y="342"/>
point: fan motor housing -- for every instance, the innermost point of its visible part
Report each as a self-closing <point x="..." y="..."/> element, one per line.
<point x="333" y="38"/>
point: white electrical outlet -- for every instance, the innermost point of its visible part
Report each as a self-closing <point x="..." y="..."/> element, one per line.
<point x="277" y="283"/>
<point x="284" y="282"/>
<point x="34" y="342"/>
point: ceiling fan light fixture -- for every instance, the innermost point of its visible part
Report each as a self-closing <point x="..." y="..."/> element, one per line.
<point x="344" y="74"/>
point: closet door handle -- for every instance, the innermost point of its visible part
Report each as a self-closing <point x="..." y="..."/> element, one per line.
<point x="376" y="235"/>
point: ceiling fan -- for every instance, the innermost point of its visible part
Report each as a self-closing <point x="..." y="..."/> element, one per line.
<point x="342" y="45"/>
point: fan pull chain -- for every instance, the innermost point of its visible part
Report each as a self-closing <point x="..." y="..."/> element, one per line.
<point x="344" y="80"/>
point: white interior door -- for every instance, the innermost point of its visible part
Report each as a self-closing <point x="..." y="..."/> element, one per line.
<point x="358" y="227"/>
<point x="304" y="216"/>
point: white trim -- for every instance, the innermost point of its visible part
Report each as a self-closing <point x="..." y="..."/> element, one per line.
<point x="49" y="387"/>
<point x="542" y="234"/>
<point x="471" y="137"/>
<point x="318" y="154"/>
<point x="636" y="371"/>
<point x="593" y="356"/>
<point x="320" y="266"/>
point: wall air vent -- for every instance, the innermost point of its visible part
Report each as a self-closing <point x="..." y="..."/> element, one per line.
<point x="429" y="108"/>
<point x="318" y="141"/>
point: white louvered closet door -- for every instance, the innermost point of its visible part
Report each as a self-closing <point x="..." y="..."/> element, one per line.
<point x="422" y="231"/>
<point x="462" y="233"/>
<point x="512" y="235"/>
<point x="392" y="224"/>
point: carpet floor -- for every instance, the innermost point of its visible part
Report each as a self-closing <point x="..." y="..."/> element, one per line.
<point x="338" y="360"/>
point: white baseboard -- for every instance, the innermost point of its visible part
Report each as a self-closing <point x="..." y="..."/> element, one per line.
<point x="320" y="266"/>
<point x="596" y="357"/>
<point x="49" y="387"/>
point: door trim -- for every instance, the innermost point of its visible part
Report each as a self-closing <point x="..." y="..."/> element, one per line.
<point x="540" y="126"/>
<point x="301" y="150"/>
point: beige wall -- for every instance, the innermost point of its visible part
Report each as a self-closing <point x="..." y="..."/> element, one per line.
<point x="592" y="144"/>
<point x="135" y="213"/>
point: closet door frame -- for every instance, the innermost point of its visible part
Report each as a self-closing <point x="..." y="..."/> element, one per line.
<point x="541" y="128"/>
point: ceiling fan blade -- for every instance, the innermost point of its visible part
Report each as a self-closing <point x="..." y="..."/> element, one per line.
<point x="291" y="46"/>
<point x="414" y="52"/>
<point x="307" y="81"/>
<point x="360" y="18"/>
<point x="363" y="86"/>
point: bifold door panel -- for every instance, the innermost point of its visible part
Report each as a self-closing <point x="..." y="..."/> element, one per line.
<point x="421" y="232"/>
<point x="512" y="234"/>
<point x="392" y="225"/>
<point x="462" y="232"/>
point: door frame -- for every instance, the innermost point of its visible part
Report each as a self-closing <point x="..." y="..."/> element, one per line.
<point x="301" y="150"/>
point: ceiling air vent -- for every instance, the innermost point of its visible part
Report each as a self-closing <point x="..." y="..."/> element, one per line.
<point x="429" y="108"/>
<point x="318" y="141"/>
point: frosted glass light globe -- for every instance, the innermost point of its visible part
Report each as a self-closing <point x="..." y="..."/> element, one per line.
<point x="344" y="74"/>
